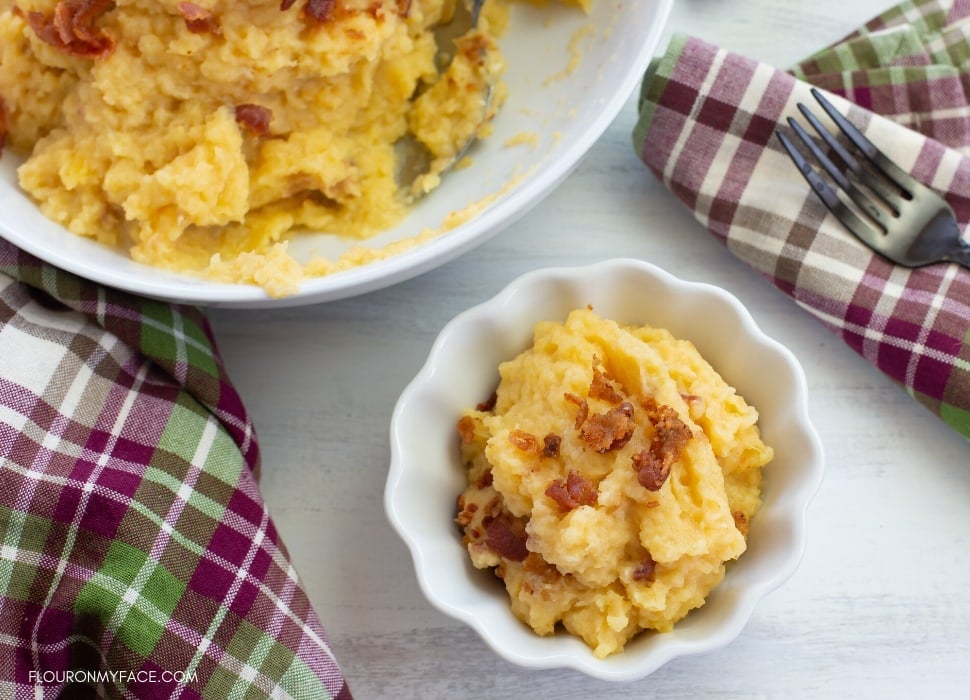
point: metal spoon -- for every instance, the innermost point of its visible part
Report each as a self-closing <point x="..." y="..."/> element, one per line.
<point x="419" y="168"/>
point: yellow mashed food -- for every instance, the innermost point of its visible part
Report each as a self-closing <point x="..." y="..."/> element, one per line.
<point x="199" y="135"/>
<point x="610" y="479"/>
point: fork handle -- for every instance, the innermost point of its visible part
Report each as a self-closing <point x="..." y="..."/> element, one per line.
<point x="961" y="255"/>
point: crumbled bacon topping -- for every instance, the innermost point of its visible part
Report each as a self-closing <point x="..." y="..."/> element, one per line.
<point x="605" y="431"/>
<point x="669" y="439"/>
<point x="466" y="429"/>
<point x="471" y="515"/>
<point x="740" y="522"/>
<point x="474" y="46"/>
<point x="506" y="536"/>
<point x="646" y="570"/>
<point x="652" y="471"/>
<point x="198" y="19"/>
<point x="316" y="10"/>
<point x="71" y="28"/>
<point x="602" y="388"/>
<point x="583" y="411"/>
<point x="551" y="444"/>
<point x="466" y="511"/>
<point x="489" y="403"/>
<point x="573" y="491"/>
<point x="320" y="10"/>
<point x="254" y="118"/>
<point x="525" y="441"/>
<point x="609" y="431"/>
<point x="485" y="480"/>
<point x="540" y="569"/>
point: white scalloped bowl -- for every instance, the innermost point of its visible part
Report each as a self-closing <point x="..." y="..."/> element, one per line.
<point x="563" y="107"/>
<point x="426" y="475"/>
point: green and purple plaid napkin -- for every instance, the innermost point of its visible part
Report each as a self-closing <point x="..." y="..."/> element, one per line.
<point x="137" y="557"/>
<point x="706" y="130"/>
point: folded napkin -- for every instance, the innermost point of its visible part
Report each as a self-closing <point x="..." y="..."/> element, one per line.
<point x="137" y="557"/>
<point x="706" y="130"/>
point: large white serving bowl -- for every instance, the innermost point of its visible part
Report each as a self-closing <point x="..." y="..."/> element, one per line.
<point x="566" y="113"/>
<point x="426" y="474"/>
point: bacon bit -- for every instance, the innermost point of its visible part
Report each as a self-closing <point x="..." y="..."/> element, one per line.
<point x="525" y="441"/>
<point x="540" y="573"/>
<point x="506" y="537"/>
<point x="646" y="570"/>
<point x="254" y="119"/>
<point x="317" y="10"/>
<point x="550" y="445"/>
<point x="669" y="440"/>
<point x="740" y="522"/>
<point x="466" y="511"/>
<point x="488" y="404"/>
<point x="466" y="429"/>
<point x="609" y="431"/>
<point x="474" y="47"/>
<point x="485" y="480"/>
<point x="470" y="513"/>
<point x="573" y="491"/>
<point x="70" y="28"/>
<point x="602" y="388"/>
<point x="377" y="10"/>
<point x="534" y="563"/>
<point x="651" y="470"/>
<point x="537" y="566"/>
<point x="583" y="411"/>
<point x="320" y="10"/>
<point x="198" y="19"/>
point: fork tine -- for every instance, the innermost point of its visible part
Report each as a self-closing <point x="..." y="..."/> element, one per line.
<point x="889" y="196"/>
<point x="820" y="155"/>
<point x="878" y="158"/>
<point x="858" y="196"/>
<point x="866" y="233"/>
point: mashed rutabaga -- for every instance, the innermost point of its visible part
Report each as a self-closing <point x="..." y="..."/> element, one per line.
<point x="200" y="135"/>
<point x="610" y="479"/>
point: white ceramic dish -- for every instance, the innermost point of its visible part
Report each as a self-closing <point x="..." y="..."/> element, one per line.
<point x="567" y="114"/>
<point x="426" y="475"/>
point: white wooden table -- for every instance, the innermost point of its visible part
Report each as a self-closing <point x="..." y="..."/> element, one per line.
<point x="880" y="607"/>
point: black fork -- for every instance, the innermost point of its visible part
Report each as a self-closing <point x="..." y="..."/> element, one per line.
<point x="894" y="214"/>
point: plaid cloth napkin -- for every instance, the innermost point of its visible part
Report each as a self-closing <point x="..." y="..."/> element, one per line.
<point x="706" y="130"/>
<point x="137" y="558"/>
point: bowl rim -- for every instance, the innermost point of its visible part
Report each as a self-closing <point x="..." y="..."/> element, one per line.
<point x="619" y="667"/>
<point x="131" y="276"/>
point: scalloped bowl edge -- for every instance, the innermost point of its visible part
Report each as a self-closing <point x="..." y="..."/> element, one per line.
<point x="420" y="493"/>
